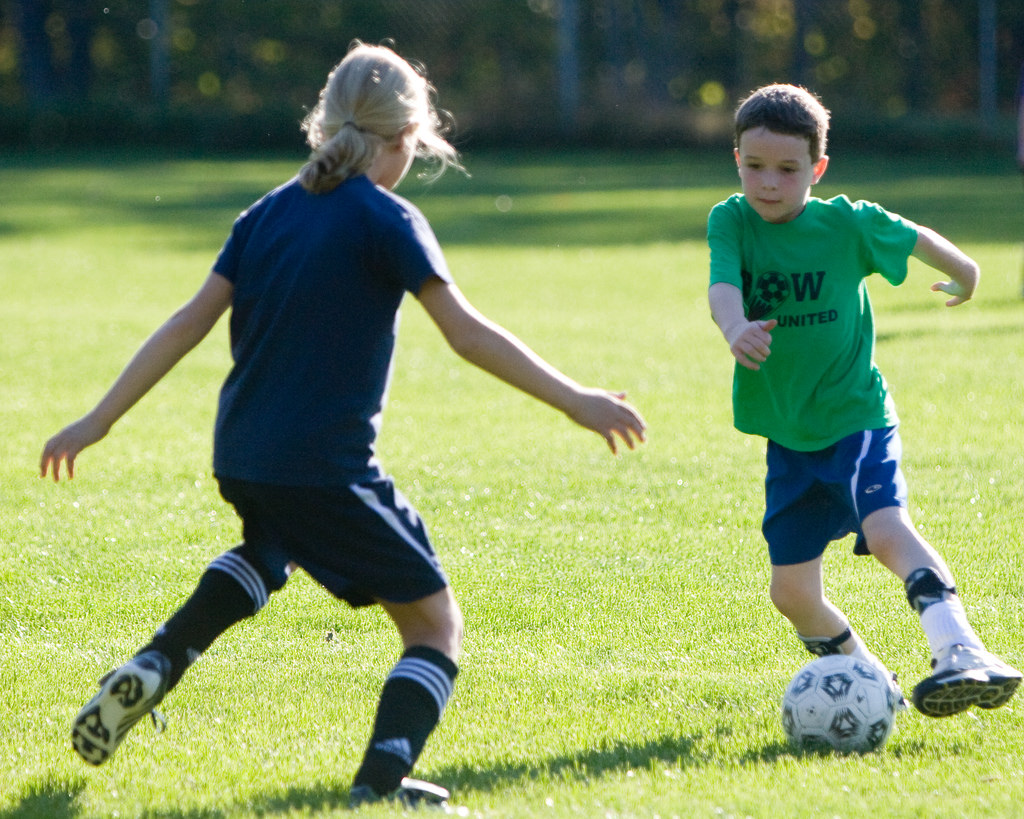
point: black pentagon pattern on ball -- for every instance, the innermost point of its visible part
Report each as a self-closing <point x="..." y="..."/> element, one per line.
<point x="837" y="686"/>
<point x="865" y="671"/>
<point x="804" y="681"/>
<point x="878" y="733"/>
<point x="844" y="725"/>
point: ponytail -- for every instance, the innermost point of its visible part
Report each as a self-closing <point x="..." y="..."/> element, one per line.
<point x="370" y="98"/>
<point x="348" y="153"/>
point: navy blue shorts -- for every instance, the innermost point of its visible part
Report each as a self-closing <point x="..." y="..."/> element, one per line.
<point x="363" y="543"/>
<point x="813" y="498"/>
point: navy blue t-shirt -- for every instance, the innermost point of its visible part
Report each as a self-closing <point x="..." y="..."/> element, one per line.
<point x="318" y="281"/>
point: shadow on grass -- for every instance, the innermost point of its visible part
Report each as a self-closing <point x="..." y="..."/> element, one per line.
<point x="775" y="751"/>
<point x="200" y="198"/>
<point x="615" y="756"/>
<point x="47" y="800"/>
<point x="58" y="800"/>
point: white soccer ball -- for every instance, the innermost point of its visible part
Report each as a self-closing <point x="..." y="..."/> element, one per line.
<point x="840" y="702"/>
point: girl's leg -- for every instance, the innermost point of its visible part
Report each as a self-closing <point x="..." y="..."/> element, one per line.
<point x="434" y="622"/>
<point x="414" y="694"/>
<point x="231" y="589"/>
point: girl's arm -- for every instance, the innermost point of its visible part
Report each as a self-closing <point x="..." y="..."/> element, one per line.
<point x="938" y="252"/>
<point x="492" y="348"/>
<point x="749" y="341"/>
<point x="160" y="352"/>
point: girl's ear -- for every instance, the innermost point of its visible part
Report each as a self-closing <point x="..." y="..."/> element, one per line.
<point x="819" y="169"/>
<point x="409" y="132"/>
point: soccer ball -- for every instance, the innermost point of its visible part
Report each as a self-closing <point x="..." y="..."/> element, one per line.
<point x="840" y="702"/>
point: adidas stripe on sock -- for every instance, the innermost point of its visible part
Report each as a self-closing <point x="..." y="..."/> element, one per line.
<point x="411" y="703"/>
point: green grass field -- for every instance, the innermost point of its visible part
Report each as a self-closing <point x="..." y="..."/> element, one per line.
<point x="622" y="658"/>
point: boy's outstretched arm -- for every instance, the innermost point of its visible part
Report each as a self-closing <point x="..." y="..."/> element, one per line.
<point x="938" y="252"/>
<point x="154" y="359"/>
<point x="749" y="341"/>
<point x="492" y="348"/>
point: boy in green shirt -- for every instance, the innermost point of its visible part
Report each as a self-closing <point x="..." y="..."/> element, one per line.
<point x="788" y="292"/>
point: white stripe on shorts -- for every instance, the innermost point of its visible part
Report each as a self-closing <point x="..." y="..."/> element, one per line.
<point x="864" y="446"/>
<point x="387" y="514"/>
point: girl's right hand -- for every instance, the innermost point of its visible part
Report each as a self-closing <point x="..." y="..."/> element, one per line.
<point x="610" y="416"/>
<point x="67" y="444"/>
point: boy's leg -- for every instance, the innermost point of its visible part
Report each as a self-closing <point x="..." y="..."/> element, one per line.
<point x="412" y="700"/>
<point x="798" y="592"/>
<point x="230" y="590"/>
<point x="965" y="674"/>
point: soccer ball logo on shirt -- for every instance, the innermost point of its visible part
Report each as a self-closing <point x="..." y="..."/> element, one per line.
<point x="766" y="295"/>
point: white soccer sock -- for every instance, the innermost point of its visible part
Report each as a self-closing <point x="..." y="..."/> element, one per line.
<point x="945" y="624"/>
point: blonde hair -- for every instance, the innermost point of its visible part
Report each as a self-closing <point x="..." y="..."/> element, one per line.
<point x="370" y="98"/>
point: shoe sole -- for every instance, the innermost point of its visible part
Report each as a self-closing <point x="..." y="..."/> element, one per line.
<point x="411" y="793"/>
<point x="944" y="698"/>
<point x="108" y="717"/>
<point x="999" y="691"/>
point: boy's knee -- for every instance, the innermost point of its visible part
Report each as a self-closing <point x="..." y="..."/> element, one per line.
<point x="789" y="597"/>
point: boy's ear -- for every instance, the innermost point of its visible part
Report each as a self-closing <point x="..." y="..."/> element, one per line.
<point x="819" y="169"/>
<point x="736" y="155"/>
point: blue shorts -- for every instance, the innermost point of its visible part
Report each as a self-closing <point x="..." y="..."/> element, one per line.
<point x="363" y="543"/>
<point x="813" y="498"/>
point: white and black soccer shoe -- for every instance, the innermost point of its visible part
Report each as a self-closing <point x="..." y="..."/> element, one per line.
<point x="964" y="677"/>
<point x="126" y="695"/>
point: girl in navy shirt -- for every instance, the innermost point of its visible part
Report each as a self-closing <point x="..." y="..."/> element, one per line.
<point x="313" y="275"/>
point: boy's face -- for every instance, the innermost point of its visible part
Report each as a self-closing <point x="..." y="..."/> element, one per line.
<point x="776" y="171"/>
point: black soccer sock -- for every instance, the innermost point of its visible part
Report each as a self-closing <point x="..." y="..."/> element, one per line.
<point x="230" y="590"/>
<point x="411" y="703"/>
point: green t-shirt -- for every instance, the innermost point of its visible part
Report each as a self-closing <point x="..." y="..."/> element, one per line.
<point x="820" y="382"/>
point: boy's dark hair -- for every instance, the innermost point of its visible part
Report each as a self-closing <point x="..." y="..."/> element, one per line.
<point x="785" y="109"/>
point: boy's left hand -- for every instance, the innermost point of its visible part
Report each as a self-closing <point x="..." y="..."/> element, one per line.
<point x="953" y="289"/>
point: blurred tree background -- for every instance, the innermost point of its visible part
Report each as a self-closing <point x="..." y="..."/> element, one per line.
<point x="241" y="73"/>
